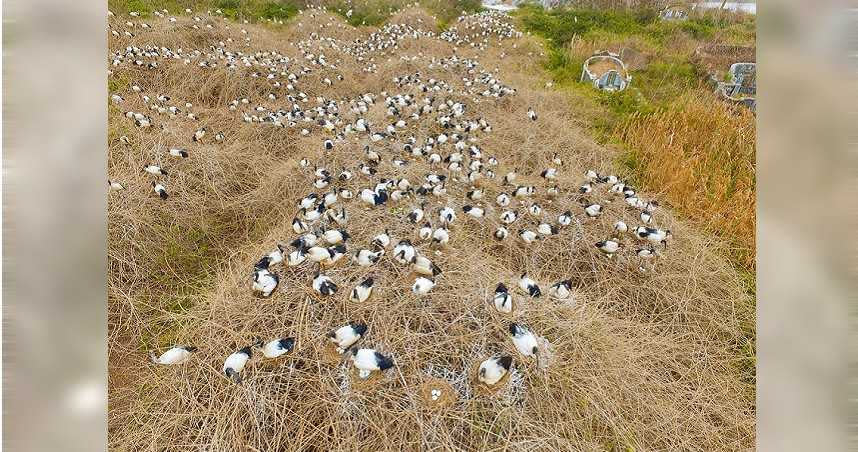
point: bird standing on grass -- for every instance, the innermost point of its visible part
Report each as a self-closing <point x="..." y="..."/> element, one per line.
<point x="264" y="282"/>
<point x="608" y="247"/>
<point x="653" y="235"/>
<point x="181" y="153"/>
<point x="278" y="347"/>
<point x="160" y="190"/>
<point x="531" y="114"/>
<point x="176" y="355"/>
<point x="234" y="363"/>
<point x="155" y="169"/>
<point x="381" y="241"/>
<point x="404" y="251"/>
<point x="199" y="134"/>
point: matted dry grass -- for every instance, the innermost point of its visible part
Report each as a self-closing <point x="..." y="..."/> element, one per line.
<point x="644" y="360"/>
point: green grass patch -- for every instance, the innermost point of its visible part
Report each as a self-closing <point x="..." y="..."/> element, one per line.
<point x="250" y="10"/>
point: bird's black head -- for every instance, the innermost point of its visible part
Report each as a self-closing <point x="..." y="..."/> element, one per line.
<point x="368" y="282"/>
<point x="359" y="328"/>
<point x="501" y="287"/>
<point x="246" y="351"/>
<point x="505" y="361"/>
<point x="287" y="343"/>
<point x="190" y="348"/>
<point x="264" y="263"/>
<point x="513" y="328"/>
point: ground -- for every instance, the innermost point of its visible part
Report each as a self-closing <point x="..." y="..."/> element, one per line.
<point x="642" y="360"/>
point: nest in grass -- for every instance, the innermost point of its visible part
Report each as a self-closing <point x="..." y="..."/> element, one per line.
<point x="369" y="383"/>
<point x="436" y="393"/>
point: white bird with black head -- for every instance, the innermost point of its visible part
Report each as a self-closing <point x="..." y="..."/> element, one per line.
<point x="561" y="290"/>
<point x="323" y="285"/>
<point x="278" y="347"/>
<point x="234" y="363"/>
<point x="367" y="360"/>
<point x="177" y="355"/>
<point x="346" y="336"/>
<point x="529" y="286"/>
<point x="422" y="285"/>
<point x="524" y="340"/>
<point x="362" y="291"/>
<point x="493" y="370"/>
<point x="502" y="299"/>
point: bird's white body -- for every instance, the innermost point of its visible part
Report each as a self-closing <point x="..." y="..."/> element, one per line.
<point x="441" y="236"/>
<point x="264" y="282"/>
<point x="275" y="349"/>
<point x="476" y="212"/>
<point x="344" y="337"/>
<point x="491" y="371"/>
<point x="502" y="200"/>
<point x="527" y="235"/>
<point x="365" y="361"/>
<point x="422" y="285"/>
<point x="423" y="266"/>
<point x="609" y="246"/>
<point x="425" y="233"/>
<point x="503" y="301"/>
<point x="236" y="362"/>
<point x="382" y="240"/>
<point x="593" y="210"/>
<point x="275" y="257"/>
<point x="296" y="258"/>
<point x="333" y="236"/>
<point x="153" y="169"/>
<point x="403" y="252"/>
<point x="525" y="342"/>
<point x="447" y="215"/>
<point x="560" y="290"/>
<point x="508" y="217"/>
<point x="318" y="254"/>
<point x="175" y="355"/>
<point x="527" y="285"/>
<point x="365" y="258"/>
<point x="321" y="282"/>
<point x="361" y="292"/>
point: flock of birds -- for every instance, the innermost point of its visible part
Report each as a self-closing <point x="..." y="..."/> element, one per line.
<point x="427" y="121"/>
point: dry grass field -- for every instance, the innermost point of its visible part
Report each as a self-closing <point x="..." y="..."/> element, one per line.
<point x="652" y="360"/>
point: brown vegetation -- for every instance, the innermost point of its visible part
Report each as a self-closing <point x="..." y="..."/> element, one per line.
<point x="702" y="156"/>
<point x="645" y="361"/>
